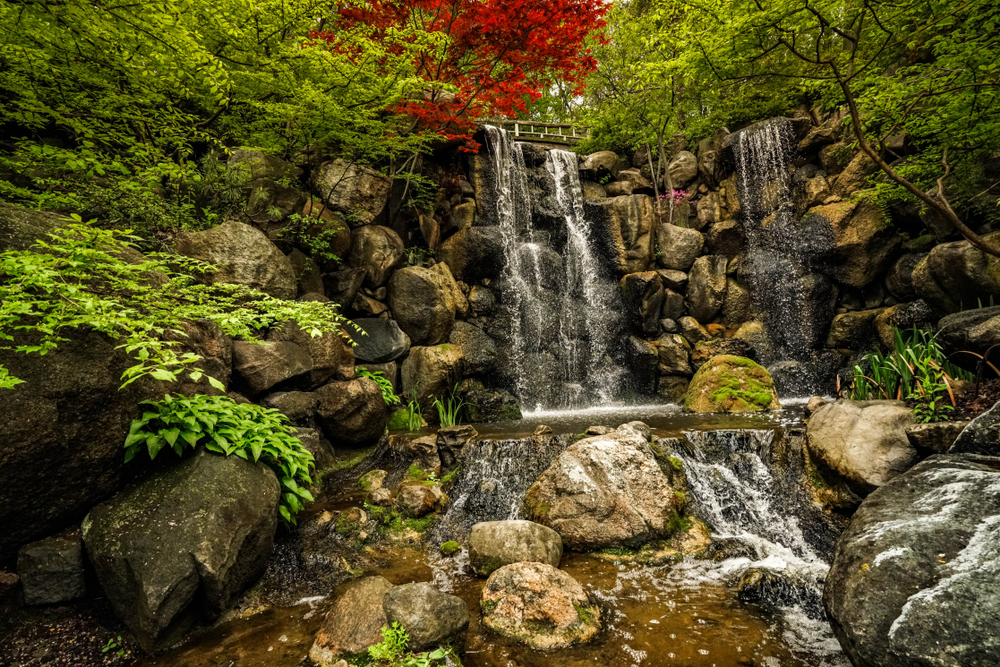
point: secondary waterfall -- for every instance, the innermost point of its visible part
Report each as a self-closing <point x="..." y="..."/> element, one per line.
<point x="561" y="307"/>
<point x="787" y="294"/>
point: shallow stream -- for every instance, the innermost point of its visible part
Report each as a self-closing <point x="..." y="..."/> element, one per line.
<point x="685" y="613"/>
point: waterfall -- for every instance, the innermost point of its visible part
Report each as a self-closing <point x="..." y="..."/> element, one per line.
<point x="561" y="307"/>
<point x="745" y="485"/>
<point x="789" y="297"/>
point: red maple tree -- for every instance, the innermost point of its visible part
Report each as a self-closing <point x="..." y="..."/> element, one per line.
<point x="501" y="53"/>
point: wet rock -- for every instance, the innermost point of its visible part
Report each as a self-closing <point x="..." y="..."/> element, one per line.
<point x="422" y="451"/>
<point x="604" y="491"/>
<point x="331" y="355"/>
<point x="975" y="330"/>
<point x="623" y="230"/>
<point x="183" y="543"/>
<point x="484" y="405"/>
<point x="642" y="297"/>
<point x="478" y="351"/>
<point x="51" y="570"/>
<point x="854" y="330"/>
<point x="314" y="442"/>
<point x="431" y="372"/>
<point x="673" y="355"/>
<point x="481" y="300"/>
<point x="862" y="442"/>
<point x="899" y="280"/>
<point x="423" y="304"/>
<point x="858" y="240"/>
<point x="731" y="384"/>
<point x="494" y="544"/>
<point x="598" y="430"/>
<point x="451" y="440"/>
<point x="957" y="276"/>
<point x="937" y="438"/>
<point x="673" y="305"/>
<point x="692" y="330"/>
<point x="537" y="605"/>
<point x="678" y="246"/>
<point x="354" y="622"/>
<point x="431" y="618"/>
<point x="814" y="404"/>
<point x="417" y="500"/>
<point x="377" y="250"/>
<point x="737" y="306"/>
<point x="298" y="406"/>
<point x="671" y="388"/>
<point x="673" y="279"/>
<point x="725" y="238"/>
<point x="382" y="341"/>
<point x="981" y="436"/>
<point x="342" y="287"/>
<point x="774" y="589"/>
<point x="358" y="191"/>
<point x="914" y="579"/>
<point x="640" y="358"/>
<point x="707" y="287"/>
<point x="372" y="480"/>
<point x="260" y="366"/>
<point x="904" y="316"/>
<point x="352" y="414"/>
<point x="243" y="255"/>
<point x="734" y="347"/>
<point x="473" y="253"/>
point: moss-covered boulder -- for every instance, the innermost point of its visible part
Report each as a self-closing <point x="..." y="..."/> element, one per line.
<point x="731" y="384"/>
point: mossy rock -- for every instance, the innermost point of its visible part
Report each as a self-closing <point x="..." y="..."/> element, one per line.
<point x="731" y="384"/>
<point x="400" y="420"/>
<point x="450" y="548"/>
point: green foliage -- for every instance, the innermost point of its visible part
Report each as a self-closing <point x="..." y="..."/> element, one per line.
<point x="114" y="644"/>
<point x="82" y="276"/>
<point x="415" y="415"/>
<point x="388" y="395"/>
<point x="448" y="410"/>
<point x="916" y="369"/>
<point x="393" y="644"/>
<point x="222" y="426"/>
<point x="417" y="256"/>
<point x="312" y="236"/>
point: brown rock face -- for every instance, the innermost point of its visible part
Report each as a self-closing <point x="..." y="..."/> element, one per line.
<point x="377" y="250"/>
<point x="605" y="491"/>
<point x="538" y="605"/>
<point x="494" y="544"/>
<point x="352" y="413"/>
<point x="623" y="227"/>
<point x="354" y="622"/>
<point x="859" y="241"/>
<point x="260" y="366"/>
<point x="358" y="191"/>
<point x="423" y="303"/>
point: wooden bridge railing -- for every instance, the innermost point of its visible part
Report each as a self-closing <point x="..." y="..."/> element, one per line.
<point x="551" y="133"/>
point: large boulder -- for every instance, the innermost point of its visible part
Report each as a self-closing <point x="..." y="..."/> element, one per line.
<point x="678" y="246"/>
<point x="431" y="372"/>
<point x="915" y="579"/>
<point x="854" y="241"/>
<point x="642" y="297"/>
<point x="381" y="341"/>
<point x="538" y="605"/>
<point x="352" y="413"/>
<point x="332" y="356"/>
<point x="431" y="618"/>
<point x="65" y="424"/>
<point x="854" y="330"/>
<point x="377" y="250"/>
<point x="600" y="165"/>
<point x="493" y="544"/>
<point x="957" y="276"/>
<point x="260" y="366"/>
<point x="357" y="191"/>
<point x="863" y="443"/>
<point x="731" y="384"/>
<point x="981" y="436"/>
<point x="484" y="405"/>
<point x="206" y="339"/>
<point x="606" y="491"/>
<point x="243" y="255"/>
<point x="683" y="169"/>
<point x="478" y="350"/>
<point x="183" y="543"/>
<point x="899" y="279"/>
<point x="473" y="253"/>
<point x="354" y="622"/>
<point x="623" y="229"/>
<point x="975" y="330"/>
<point x="673" y="355"/>
<point x="707" y="287"/>
<point x="422" y="301"/>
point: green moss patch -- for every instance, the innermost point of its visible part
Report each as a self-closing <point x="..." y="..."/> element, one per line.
<point x="450" y="548"/>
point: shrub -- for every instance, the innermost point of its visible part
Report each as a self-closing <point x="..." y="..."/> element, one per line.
<point x="222" y="426"/>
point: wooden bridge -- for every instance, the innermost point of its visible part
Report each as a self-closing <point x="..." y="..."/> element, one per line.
<point x="547" y="133"/>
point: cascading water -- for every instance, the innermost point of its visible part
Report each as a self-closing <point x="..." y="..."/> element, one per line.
<point x="787" y="294"/>
<point x="561" y="307"/>
<point x="744" y="484"/>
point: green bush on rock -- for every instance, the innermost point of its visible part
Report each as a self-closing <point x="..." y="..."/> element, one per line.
<point x="731" y="384"/>
<point x="225" y="427"/>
